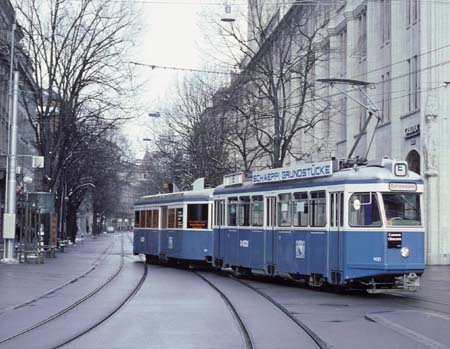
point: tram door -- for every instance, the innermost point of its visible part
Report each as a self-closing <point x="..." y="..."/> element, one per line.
<point x="269" y="233"/>
<point x="335" y="236"/>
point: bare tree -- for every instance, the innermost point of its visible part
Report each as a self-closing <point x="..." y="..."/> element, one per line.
<point x="76" y="51"/>
<point x="194" y="145"/>
<point x="274" y="91"/>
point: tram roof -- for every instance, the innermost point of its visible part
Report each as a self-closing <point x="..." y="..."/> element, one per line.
<point x="182" y="196"/>
<point x="357" y="175"/>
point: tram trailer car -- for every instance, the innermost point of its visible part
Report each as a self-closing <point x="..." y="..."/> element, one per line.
<point x="174" y="226"/>
<point x="358" y="227"/>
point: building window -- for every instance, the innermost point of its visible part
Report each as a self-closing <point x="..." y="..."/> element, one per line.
<point x="413" y="85"/>
<point x="386" y="97"/>
<point x="343" y="53"/>
<point x="412" y="12"/>
<point x="343" y="119"/>
<point x="385" y="10"/>
<point x="361" y="43"/>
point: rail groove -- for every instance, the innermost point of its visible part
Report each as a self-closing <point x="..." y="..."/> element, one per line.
<point x="82" y="300"/>
<point x="246" y="335"/>
<point x="320" y="343"/>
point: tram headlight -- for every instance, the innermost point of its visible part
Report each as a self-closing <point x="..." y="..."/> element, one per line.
<point x="404" y="252"/>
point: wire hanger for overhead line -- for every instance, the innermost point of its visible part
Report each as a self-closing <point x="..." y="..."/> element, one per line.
<point x="154" y="66"/>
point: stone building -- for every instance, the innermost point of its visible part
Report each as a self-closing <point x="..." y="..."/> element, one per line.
<point x="25" y="136"/>
<point x="403" y="49"/>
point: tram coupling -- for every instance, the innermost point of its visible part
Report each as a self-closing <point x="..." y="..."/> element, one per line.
<point x="408" y="282"/>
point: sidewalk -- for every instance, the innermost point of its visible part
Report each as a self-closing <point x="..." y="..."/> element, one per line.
<point x="21" y="283"/>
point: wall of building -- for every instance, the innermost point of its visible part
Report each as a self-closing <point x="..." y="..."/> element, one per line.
<point x="403" y="48"/>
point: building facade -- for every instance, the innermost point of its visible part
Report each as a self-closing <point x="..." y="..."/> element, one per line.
<point x="25" y="136"/>
<point x="402" y="48"/>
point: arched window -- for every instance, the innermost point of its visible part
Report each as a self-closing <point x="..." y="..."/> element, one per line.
<point x="413" y="160"/>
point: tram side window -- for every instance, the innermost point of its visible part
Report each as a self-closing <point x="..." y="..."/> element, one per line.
<point x="148" y="219"/>
<point x="171" y="218"/>
<point x="257" y="210"/>
<point x="300" y="209"/>
<point x="155" y="219"/>
<point x="197" y="216"/>
<point x="318" y="209"/>
<point x="244" y="211"/>
<point x="219" y="206"/>
<point x="136" y="219"/>
<point x="232" y="211"/>
<point x="364" y="210"/>
<point x="284" y="210"/>
<point x="179" y="218"/>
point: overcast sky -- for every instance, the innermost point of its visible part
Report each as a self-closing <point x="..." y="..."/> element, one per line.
<point x="173" y="35"/>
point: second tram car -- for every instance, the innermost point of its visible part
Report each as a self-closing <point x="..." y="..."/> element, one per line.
<point x="174" y="226"/>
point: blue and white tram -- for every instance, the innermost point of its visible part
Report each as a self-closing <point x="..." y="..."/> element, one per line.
<point x="174" y="226"/>
<point x="358" y="227"/>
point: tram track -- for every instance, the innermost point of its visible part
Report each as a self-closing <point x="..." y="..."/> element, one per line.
<point x="94" y="266"/>
<point x="316" y="339"/>
<point x="248" y="343"/>
<point x="82" y="300"/>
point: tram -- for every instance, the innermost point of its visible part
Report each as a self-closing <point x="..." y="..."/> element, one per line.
<point x="358" y="227"/>
<point x="174" y="226"/>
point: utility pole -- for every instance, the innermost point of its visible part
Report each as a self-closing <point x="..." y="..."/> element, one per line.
<point x="9" y="221"/>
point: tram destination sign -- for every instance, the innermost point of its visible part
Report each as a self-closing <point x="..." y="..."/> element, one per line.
<point x="302" y="171"/>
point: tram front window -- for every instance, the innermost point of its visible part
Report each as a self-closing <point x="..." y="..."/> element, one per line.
<point x="402" y="208"/>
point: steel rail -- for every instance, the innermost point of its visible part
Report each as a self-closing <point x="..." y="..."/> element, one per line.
<point x="243" y="329"/>
<point x="71" y="306"/>
<point x="98" y="260"/>
<point x="319" y="341"/>
<point x="115" y="310"/>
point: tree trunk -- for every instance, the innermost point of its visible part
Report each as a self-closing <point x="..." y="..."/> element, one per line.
<point x="72" y="223"/>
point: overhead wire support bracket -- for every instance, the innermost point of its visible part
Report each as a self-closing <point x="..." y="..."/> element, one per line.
<point x="372" y="108"/>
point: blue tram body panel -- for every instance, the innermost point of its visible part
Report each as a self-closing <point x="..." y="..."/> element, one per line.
<point x="188" y="244"/>
<point x="146" y="241"/>
<point x="139" y="241"/>
<point x="241" y="247"/>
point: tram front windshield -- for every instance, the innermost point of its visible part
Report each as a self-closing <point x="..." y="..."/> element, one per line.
<point x="402" y="208"/>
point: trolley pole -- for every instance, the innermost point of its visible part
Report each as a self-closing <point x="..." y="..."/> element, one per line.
<point x="9" y="221"/>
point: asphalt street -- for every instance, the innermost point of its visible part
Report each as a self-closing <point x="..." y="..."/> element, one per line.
<point x="175" y="308"/>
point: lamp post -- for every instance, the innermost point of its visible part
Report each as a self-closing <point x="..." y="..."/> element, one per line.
<point x="9" y="218"/>
<point x="9" y="221"/>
